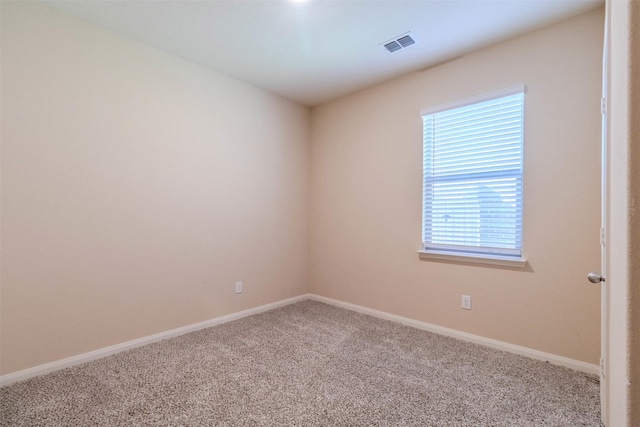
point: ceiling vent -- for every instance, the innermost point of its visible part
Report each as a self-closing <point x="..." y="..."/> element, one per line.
<point x="398" y="43"/>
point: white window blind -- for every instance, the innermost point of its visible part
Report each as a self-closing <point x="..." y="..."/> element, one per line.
<point x="472" y="194"/>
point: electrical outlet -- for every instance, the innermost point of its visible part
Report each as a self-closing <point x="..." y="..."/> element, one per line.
<point x="238" y="287"/>
<point x="466" y="302"/>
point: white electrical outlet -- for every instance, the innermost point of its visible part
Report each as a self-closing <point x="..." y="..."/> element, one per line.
<point x="238" y="287"/>
<point x="466" y="302"/>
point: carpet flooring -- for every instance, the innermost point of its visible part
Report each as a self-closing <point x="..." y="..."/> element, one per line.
<point x="307" y="364"/>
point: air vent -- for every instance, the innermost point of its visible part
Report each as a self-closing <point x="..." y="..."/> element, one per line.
<point x="392" y="46"/>
<point x="406" y="41"/>
<point x="398" y="43"/>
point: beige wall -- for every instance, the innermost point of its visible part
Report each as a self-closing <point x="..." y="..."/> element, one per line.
<point x="136" y="189"/>
<point x="366" y="196"/>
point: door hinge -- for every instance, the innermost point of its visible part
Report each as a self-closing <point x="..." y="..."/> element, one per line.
<point x="602" y="372"/>
<point x="602" y="237"/>
<point x="603" y="106"/>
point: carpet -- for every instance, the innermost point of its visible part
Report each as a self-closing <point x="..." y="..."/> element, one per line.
<point x="307" y="364"/>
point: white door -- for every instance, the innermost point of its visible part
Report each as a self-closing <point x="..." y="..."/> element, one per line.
<point x="600" y="277"/>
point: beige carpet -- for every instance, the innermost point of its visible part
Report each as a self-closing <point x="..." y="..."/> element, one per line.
<point x="307" y="364"/>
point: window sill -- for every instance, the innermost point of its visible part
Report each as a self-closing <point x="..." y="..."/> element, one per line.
<point x="504" y="261"/>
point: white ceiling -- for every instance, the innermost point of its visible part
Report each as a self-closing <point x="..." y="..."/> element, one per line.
<point x="319" y="50"/>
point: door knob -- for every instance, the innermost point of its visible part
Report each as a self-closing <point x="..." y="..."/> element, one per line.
<point x="595" y="277"/>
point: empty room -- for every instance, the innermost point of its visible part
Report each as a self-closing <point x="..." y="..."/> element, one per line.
<point x="320" y="213"/>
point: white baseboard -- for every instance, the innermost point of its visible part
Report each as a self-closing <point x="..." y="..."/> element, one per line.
<point x="107" y="351"/>
<point x="488" y="342"/>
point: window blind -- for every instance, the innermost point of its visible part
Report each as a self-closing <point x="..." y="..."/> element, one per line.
<point x="472" y="194"/>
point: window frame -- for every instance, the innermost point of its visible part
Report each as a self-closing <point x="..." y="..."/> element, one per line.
<point x="457" y="253"/>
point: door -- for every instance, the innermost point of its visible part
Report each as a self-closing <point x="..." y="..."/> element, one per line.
<point x="600" y="277"/>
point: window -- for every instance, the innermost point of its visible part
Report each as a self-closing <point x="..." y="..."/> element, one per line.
<point x="472" y="193"/>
